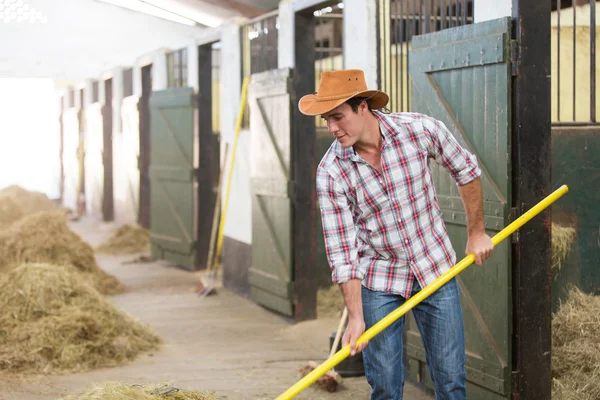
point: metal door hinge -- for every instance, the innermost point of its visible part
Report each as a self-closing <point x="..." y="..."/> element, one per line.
<point x="514" y="57"/>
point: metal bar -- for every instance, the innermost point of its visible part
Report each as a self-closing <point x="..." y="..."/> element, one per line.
<point x="450" y="14"/>
<point x="558" y="6"/>
<point x="387" y="25"/>
<point x="426" y="15"/>
<point x="576" y="123"/>
<point x="574" y="59"/>
<point x="443" y="11"/>
<point x="465" y="12"/>
<point x="400" y="43"/>
<point x="593" y="60"/>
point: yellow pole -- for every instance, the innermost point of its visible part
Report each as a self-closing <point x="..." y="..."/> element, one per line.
<point x="230" y="174"/>
<point x="416" y="299"/>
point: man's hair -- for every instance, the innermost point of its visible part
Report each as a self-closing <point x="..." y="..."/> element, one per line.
<point x="355" y="102"/>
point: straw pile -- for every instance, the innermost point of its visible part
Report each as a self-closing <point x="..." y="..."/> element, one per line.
<point x="330" y="302"/>
<point x="128" y="239"/>
<point x="576" y="348"/>
<point x="45" y="238"/>
<point x="118" y="391"/>
<point x="10" y="211"/>
<point x="562" y="240"/>
<point x="53" y="321"/>
<point x="28" y="201"/>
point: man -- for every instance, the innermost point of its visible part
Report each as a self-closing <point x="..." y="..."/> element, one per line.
<point x="384" y="233"/>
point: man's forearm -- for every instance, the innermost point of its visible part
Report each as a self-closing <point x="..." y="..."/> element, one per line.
<point x="473" y="203"/>
<point x="353" y="297"/>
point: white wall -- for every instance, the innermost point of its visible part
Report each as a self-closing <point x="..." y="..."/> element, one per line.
<point x="238" y="223"/>
<point x="485" y="10"/>
<point x="360" y="38"/>
<point x="29" y="135"/>
<point x="83" y="38"/>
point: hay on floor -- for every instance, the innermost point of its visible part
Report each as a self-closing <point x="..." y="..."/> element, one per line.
<point x="576" y="348"/>
<point x="562" y="240"/>
<point x="330" y="302"/>
<point x="53" y="321"/>
<point x="44" y="237"/>
<point x="119" y="391"/>
<point x="29" y="201"/>
<point x="10" y="211"/>
<point x="128" y="239"/>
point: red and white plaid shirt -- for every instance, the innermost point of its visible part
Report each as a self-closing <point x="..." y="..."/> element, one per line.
<point x="386" y="229"/>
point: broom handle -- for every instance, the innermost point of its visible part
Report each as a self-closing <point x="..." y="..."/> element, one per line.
<point x="215" y="223"/>
<point x="417" y="298"/>
<point x="217" y="261"/>
<point x="338" y="334"/>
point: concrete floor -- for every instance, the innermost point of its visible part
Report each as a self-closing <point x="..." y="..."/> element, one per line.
<point x="221" y="343"/>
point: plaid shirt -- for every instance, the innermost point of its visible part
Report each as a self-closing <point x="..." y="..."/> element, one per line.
<point x="386" y="229"/>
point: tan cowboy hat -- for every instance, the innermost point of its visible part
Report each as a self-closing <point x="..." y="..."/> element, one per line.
<point x="335" y="88"/>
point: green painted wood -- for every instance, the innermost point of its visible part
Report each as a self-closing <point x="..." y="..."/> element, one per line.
<point x="575" y="163"/>
<point x="171" y="176"/>
<point x="461" y="76"/>
<point x="271" y="275"/>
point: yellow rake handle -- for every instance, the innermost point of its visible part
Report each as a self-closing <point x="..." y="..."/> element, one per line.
<point x="416" y="299"/>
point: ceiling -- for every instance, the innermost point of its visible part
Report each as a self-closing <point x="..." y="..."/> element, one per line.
<point x="82" y="39"/>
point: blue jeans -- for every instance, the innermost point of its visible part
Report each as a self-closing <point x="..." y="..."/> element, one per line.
<point x="440" y="322"/>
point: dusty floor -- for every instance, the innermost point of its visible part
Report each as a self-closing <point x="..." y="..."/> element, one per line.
<point x="220" y="343"/>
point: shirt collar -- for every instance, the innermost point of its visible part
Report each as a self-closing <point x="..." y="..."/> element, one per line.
<point x="388" y="130"/>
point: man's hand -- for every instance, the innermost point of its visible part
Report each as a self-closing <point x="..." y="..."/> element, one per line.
<point x="356" y="323"/>
<point x="481" y="246"/>
<point x="355" y="328"/>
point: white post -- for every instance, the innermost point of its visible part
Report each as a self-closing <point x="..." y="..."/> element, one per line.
<point x="192" y="69"/>
<point x="286" y="35"/>
<point x="159" y="70"/>
<point x="360" y="38"/>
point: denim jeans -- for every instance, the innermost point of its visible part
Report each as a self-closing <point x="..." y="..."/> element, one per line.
<point x="439" y="320"/>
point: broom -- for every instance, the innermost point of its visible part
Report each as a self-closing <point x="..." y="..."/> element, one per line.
<point x="331" y="379"/>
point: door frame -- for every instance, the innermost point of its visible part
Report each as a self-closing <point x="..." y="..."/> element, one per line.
<point x="144" y="151"/>
<point x="108" y="207"/>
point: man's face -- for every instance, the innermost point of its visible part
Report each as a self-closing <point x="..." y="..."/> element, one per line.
<point x="346" y="125"/>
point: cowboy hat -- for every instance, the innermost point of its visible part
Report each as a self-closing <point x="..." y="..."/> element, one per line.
<point x="335" y="88"/>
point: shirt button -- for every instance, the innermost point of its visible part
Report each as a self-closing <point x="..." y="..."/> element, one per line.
<point x="406" y="241"/>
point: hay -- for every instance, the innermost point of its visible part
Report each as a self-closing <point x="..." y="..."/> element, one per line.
<point x="330" y="302"/>
<point x="10" y="211"/>
<point x="562" y="240"/>
<point x="119" y="391"/>
<point x="128" y="239"/>
<point x="53" y="321"/>
<point x="44" y="237"/>
<point x="576" y="348"/>
<point x="30" y="202"/>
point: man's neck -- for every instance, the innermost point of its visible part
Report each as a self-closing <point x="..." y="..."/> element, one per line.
<point x="370" y="141"/>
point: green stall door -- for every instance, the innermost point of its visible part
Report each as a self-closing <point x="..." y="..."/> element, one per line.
<point x="172" y="176"/>
<point x="461" y="76"/>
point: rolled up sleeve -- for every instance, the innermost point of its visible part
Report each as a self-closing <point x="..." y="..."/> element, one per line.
<point x="339" y="230"/>
<point x="443" y="147"/>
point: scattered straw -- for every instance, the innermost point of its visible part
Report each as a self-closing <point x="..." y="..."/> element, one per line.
<point x="576" y="348"/>
<point x="119" y="391"/>
<point x="10" y="211"/>
<point x="45" y="238"/>
<point x="29" y="201"/>
<point x="330" y="302"/>
<point x="562" y="240"/>
<point x="128" y="239"/>
<point x="53" y="321"/>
